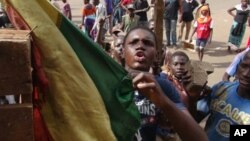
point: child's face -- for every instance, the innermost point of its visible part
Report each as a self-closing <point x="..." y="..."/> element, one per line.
<point x="204" y="12"/>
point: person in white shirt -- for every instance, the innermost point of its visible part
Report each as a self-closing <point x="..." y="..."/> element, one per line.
<point x="101" y="13"/>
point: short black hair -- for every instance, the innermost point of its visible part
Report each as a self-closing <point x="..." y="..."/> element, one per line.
<point x="143" y="28"/>
<point x="180" y="53"/>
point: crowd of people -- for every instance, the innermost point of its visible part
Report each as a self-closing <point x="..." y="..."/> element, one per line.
<point x="165" y="92"/>
<point x="126" y="14"/>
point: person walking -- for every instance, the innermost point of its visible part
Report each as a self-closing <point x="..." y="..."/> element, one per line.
<point x="204" y="31"/>
<point x="66" y="10"/>
<point x="88" y="17"/>
<point x="188" y="6"/>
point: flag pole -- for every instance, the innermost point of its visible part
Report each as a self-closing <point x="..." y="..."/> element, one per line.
<point x="158" y="20"/>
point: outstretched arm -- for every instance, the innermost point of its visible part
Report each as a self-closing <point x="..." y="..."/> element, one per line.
<point x="188" y="129"/>
<point x="192" y="34"/>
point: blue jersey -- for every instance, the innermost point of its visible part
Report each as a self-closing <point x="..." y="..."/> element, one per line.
<point x="226" y="108"/>
<point x="148" y="111"/>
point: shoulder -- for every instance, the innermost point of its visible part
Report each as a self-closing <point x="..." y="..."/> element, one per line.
<point x="66" y="5"/>
<point x="238" y="7"/>
<point x="145" y="2"/>
<point x="223" y="87"/>
<point x="222" y="84"/>
<point x="137" y="17"/>
<point x="88" y="6"/>
<point x="166" y="86"/>
<point x="170" y="91"/>
<point x="124" y="16"/>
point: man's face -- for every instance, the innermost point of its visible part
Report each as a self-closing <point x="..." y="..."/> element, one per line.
<point x="179" y="66"/>
<point x="243" y="73"/>
<point x="131" y="12"/>
<point x="140" y="50"/>
<point x="96" y="2"/>
<point x="118" y="46"/>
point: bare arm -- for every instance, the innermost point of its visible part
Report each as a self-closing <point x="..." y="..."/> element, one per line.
<point x="124" y="7"/>
<point x="248" y="20"/>
<point x="82" y="24"/>
<point x="99" y="37"/>
<point x="122" y="24"/>
<point x="226" y="77"/>
<point x="142" y="10"/>
<point x="146" y="84"/>
<point x="230" y="11"/>
<point x="180" y="10"/>
<point x="211" y="36"/>
<point x="68" y="10"/>
<point x="83" y="18"/>
<point x="192" y="34"/>
<point x="180" y="6"/>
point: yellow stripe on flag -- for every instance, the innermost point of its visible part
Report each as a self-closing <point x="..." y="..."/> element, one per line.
<point x="74" y="110"/>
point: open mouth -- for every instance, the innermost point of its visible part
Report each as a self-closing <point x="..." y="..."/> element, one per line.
<point x="180" y="72"/>
<point x="140" y="57"/>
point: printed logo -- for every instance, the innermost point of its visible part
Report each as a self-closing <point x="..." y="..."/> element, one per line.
<point x="223" y="127"/>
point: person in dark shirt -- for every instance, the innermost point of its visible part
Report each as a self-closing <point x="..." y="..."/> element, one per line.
<point x="170" y="18"/>
<point x="141" y="9"/>
<point x="187" y="17"/>
<point x="152" y="92"/>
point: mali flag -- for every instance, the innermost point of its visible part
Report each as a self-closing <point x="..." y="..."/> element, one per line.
<point x="90" y="97"/>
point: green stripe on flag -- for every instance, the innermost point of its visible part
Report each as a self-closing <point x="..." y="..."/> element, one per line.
<point x="110" y="79"/>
